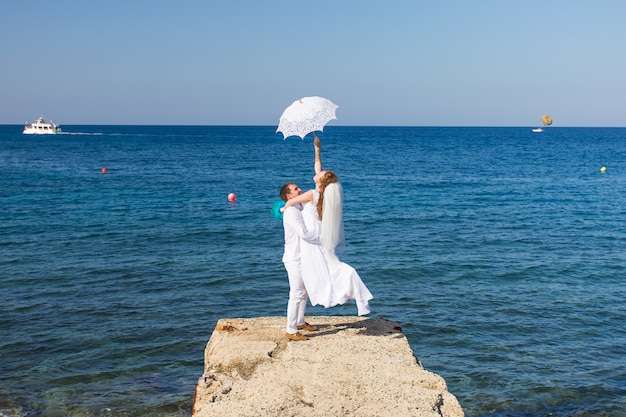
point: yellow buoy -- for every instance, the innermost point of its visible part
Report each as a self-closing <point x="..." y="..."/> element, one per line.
<point x="603" y="170"/>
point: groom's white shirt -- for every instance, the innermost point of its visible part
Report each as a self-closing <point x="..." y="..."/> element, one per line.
<point x="295" y="229"/>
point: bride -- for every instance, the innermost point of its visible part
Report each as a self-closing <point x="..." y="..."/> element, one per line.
<point x="328" y="281"/>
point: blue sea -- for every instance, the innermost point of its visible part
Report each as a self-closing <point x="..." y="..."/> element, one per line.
<point x="501" y="252"/>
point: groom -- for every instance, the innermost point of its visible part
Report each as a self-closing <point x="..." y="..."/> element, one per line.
<point x="295" y="230"/>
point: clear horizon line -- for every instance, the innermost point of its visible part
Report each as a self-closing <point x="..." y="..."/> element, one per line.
<point x="342" y="126"/>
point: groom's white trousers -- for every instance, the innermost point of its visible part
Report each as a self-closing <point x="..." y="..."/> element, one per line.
<point x="298" y="297"/>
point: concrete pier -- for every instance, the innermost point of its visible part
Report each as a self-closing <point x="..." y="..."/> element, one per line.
<point x="350" y="366"/>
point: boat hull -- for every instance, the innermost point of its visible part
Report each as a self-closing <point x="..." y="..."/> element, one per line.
<point x="40" y="131"/>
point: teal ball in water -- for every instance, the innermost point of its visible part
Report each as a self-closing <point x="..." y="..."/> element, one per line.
<point x="276" y="209"/>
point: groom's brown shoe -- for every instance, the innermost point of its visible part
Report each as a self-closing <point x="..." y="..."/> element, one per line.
<point x="308" y="327"/>
<point x="296" y="336"/>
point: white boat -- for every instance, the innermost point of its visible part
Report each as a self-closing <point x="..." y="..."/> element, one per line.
<point x="41" y="127"/>
<point x="547" y="121"/>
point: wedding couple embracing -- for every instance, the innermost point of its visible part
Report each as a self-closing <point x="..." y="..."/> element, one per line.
<point x="313" y="223"/>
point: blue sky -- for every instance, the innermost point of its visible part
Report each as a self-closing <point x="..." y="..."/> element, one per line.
<point x="400" y="63"/>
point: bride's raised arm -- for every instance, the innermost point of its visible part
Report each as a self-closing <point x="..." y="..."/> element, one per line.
<point x="317" y="143"/>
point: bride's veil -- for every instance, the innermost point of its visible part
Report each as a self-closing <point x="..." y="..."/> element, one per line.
<point x="332" y="223"/>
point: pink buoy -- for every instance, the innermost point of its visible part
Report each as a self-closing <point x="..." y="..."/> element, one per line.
<point x="104" y="170"/>
<point x="232" y="197"/>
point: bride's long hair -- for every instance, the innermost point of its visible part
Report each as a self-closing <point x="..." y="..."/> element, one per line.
<point x="329" y="178"/>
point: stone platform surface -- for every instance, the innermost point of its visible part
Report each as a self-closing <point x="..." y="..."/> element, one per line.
<point x="350" y="366"/>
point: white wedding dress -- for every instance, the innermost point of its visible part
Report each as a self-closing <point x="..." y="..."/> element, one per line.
<point x="329" y="285"/>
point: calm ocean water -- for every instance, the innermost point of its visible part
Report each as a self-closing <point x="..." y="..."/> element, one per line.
<point x="501" y="252"/>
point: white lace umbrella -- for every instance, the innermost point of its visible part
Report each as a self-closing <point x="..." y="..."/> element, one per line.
<point x="306" y="115"/>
